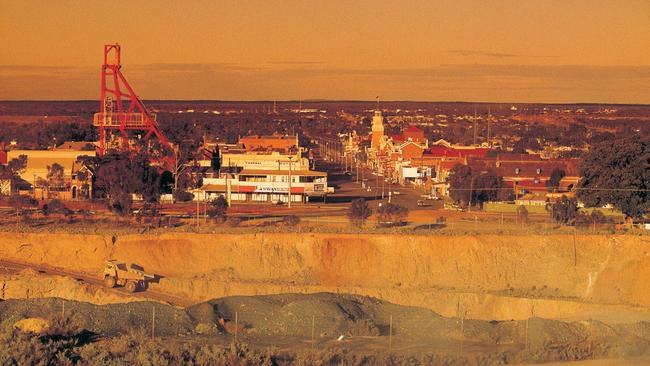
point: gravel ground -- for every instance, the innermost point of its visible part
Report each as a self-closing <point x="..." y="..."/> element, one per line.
<point x="347" y="323"/>
<point x="106" y="320"/>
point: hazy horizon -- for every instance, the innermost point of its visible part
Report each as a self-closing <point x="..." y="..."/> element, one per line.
<point x="509" y="51"/>
<point x="330" y="101"/>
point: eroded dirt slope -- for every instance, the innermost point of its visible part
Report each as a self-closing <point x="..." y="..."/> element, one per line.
<point x="498" y="277"/>
<point x="28" y="284"/>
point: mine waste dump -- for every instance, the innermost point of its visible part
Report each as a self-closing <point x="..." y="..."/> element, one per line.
<point x="326" y="299"/>
<point x="286" y="329"/>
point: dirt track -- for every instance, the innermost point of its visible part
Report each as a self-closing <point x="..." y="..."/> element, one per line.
<point x="494" y="277"/>
<point x="120" y="294"/>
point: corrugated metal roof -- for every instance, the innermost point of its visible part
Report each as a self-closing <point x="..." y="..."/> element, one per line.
<point x="282" y="172"/>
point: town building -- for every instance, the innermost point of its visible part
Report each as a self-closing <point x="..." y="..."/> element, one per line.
<point x="5" y="186"/>
<point x="377" y="130"/>
<point x="78" y="146"/>
<point x="529" y="176"/>
<point x="256" y="170"/>
<point x="275" y="142"/>
<point x="394" y="153"/>
<point x="409" y="159"/>
<point x="75" y="182"/>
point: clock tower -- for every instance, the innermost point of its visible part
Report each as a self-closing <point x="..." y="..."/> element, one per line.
<point x="377" y="130"/>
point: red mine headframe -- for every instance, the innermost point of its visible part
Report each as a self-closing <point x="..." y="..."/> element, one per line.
<point x="121" y="109"/>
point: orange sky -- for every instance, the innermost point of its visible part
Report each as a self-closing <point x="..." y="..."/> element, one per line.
<point x="508" y="50"/>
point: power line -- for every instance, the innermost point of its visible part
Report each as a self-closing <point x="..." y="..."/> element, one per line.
<point x="571" y="190"/>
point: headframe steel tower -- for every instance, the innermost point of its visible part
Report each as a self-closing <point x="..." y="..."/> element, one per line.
<point x="121" y="109"/>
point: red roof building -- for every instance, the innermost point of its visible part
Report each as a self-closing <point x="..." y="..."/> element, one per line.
<point x="529" y="174"/>
<point x="414" y="134"/>
<point x="444" y="152"/>
<point x="272" y="143"/>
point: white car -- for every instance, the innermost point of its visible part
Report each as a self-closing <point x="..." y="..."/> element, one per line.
<point x="430" y="197"/>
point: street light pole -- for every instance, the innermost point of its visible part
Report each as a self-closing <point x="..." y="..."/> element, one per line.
<point x="290" y="158"/>
<point x="197" y="212"/>
<point x="377" y="185"/>
<point x="471" y="188"/>
<point x="357" y="164"/>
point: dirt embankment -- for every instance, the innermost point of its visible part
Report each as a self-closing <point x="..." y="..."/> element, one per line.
<point x="29" y="284"/>
<point x="491" y="277"/>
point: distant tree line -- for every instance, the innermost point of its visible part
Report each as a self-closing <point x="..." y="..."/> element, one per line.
<point x="44" y="135"/>
<point x="120" y="176"/>
<point x="471" y="187"/>
<point x="617" y="172"/>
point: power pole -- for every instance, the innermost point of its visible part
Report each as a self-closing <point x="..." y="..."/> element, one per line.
<point x="376" y="185"/>
<point x="474" y="126"/>
<point x="489" y="140"/>
<point x="471" y="188"/>
<point x="357" y="164"/>
<point x="290" y="158"/>
<point x="153" y="322"/>
<point x="197" y="213"/>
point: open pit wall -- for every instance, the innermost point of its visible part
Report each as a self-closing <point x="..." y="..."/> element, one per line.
<point x="491" y="277"/>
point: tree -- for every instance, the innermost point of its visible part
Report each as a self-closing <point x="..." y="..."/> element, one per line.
<point x="119" y="176"/>
<point x="21" y="204"/>
<point x="116" y="182"/>
<point x="166" y="182"/>
<point x="56" y="206"/>
<point x="487" y="187"/>
<point x="359" y="212"/>
<point x="13" y="169"/>
<point x="84" y="190"/>
<point x="149" y="213"/>
<point x="291" y="220"/>
<point x="184" y="163"/>
<point x="565" y="211"/>
<point x="390" y="214"/>
<point x="553" y="183"/>
<point x="617" y="173"/>
<point x="55" y="176"/>
<point x="147" y="179"/>
<point x="598" y="217"/>
<point x="459" y="181"/>
<point x="218" y="208"/>
<point x="467" y="186"/>
<point x="17" y="165"/>
<point x="522" y="214"/>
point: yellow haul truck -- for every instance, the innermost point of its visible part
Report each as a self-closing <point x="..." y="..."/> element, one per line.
<point x="132" y="277"/>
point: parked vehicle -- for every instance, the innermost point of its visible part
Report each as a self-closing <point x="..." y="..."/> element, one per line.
<point x="430" y="197"/>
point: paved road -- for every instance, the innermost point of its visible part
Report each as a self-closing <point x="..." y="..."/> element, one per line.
<point x="11" y="267"/>
<point x="369" y="186"/>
